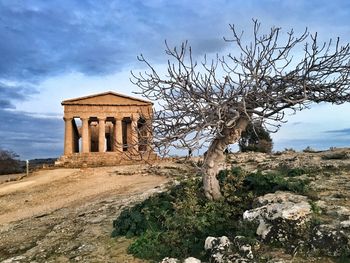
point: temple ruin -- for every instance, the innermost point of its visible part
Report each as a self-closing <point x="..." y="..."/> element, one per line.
<point x="106" y="129"/>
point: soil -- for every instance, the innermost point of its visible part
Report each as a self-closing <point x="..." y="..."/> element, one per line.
<point x="11" y="177"/>
<point x="66" y="215"/>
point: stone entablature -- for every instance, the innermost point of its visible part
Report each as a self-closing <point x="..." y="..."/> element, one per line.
<point x="110" y="122"/>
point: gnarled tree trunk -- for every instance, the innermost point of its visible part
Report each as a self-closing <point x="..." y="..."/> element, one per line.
<point x="215" y="158"/>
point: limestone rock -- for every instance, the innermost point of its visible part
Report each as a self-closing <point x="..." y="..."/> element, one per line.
<point x="174" y="260"/>
<point x="244" y="248"/>
<point x="192" y="260"/>
<point x="209" y="243"/>
<point x="282" y="216"/>
<point x="329" y="240"/>
<point x="222" y="250"/>
<point x="169" y="260"/>
<point x="14" y="259"/>
<point x="345" y="224"/>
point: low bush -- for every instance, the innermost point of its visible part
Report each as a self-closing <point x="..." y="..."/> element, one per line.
<point x="176" y="223"/>
<point x="293" y="172"/>
<point x="336" y="156"/>
<point x="9" y="162"/>
<point x="261" y="184"/>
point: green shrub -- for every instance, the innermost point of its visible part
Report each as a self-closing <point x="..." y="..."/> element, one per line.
<point x="177" y="222"/>
<point x="262" y="184"/>
<point x="309" y="149"/>
<point x="285" y="170"/>
<point x="255" y="138"/>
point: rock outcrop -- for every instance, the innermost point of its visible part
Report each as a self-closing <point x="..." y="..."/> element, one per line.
<point x="282" y="217"/>
<point x="222" y="250"/>
<point x="329" y="240"/>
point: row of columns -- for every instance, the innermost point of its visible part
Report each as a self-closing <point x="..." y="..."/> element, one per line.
<point x="117" y="134"/>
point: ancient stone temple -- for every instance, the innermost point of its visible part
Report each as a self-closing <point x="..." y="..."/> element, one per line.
<point x="106" y="129"/>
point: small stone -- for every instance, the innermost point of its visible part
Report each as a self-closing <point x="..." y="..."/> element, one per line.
<point x="169" y="260"/>
<point x="263" y="229"/>
<point x="224" y="241"/>
<point x="14" y="259"/>
<point x="192" y="260"/>
<point x="247" y="250"/>
<point x="208" y="244"/>
<point x="342" y="211"/>
<point x="276" y="261"/>
<point x="176" y="182"/>
<point x="345" y="224"/>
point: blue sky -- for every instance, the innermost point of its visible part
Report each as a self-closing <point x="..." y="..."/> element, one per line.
<point x="59" y="49"/>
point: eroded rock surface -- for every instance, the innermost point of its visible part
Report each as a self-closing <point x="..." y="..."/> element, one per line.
<point x="222" y="250"/>
<point x="329" y="240"/>
<point x="282" y="216"/>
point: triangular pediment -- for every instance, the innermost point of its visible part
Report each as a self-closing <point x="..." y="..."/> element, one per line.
<point x="106" y="98"/>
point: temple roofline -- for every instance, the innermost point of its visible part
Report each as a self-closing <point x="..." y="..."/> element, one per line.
<point x="73" y="101"/>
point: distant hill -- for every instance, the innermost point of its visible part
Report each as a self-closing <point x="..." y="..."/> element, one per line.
<point x="38" y="163"/>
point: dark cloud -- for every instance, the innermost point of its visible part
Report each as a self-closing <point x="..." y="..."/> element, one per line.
<point x="45" y="38"/>
<point x="340" y="131"/>
<point x="26" y="134"/>
<point x="41" y="38"/>
<point x="10" y="94"/>
<point x="31" y="136"/>
<point x="296" y="123"/>
<point x="6" y="104"/>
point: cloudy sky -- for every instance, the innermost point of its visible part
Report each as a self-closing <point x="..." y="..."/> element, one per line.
<point x="51" y="50"/>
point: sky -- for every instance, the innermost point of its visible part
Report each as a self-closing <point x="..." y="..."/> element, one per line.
<point x="61" y="49"/>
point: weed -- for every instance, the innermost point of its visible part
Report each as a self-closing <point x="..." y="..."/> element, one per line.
<point x="315" y="208"/>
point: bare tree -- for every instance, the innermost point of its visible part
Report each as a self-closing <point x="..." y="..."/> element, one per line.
<point x="260" y="82"/>
<point x="9" y="162"/>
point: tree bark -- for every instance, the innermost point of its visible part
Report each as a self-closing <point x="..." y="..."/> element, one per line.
<point x="215" y="158"/>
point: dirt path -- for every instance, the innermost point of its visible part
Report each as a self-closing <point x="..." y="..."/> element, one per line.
<point x="65" y="215"/>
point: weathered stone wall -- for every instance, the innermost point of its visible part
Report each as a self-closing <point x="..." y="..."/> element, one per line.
<point x="95" y="159"/>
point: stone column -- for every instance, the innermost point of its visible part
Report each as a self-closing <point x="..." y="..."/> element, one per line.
<point x="85" y="135"/>
<point x="118" y="135"/>
<point x="68" y="136"/>
<point x="101" y="134"/>
<point x="148" y="134"/>
<point x="134" y="134"/>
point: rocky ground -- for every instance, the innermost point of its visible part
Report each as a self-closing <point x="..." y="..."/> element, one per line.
<point x="329" y="196"/>
<point x="330" y="183"/>
<point x="67" y="217"/>
<point x="11" y="177"/>
<point x="301" y="229"/>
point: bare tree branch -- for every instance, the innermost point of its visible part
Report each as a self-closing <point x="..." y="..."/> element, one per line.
<point x="260" y="82"/>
